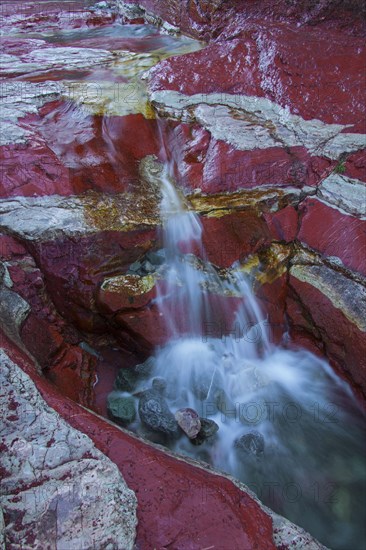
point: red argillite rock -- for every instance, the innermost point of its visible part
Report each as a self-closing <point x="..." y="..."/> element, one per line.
<point x="189" y="421"/>
<point x="207" y="20"/>
<point x="44" y="333"/>
<point x="51" y="163"/>
<point x="148" y="325"/>
<point x="74" y="269"/>
<point x="232" y="237"/>
<point x="355" y="166"/>
<point x="334" y="233"/>
<point x="203" y="163"/>
<point x="331" y="307"/>
<point x="32" y="169"/>
<point x="265" y="63"/>
<point x="266" y="143"/>
<point x="283" y="224"/>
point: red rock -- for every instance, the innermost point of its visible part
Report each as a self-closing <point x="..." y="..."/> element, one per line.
<point x="227" y="169"/>
<point x="189" y="421"/>
<point x="348" y="18"/>
<point x="223" y="65"/>
<point x="69" y="367"/>
<point x="41" y="339"/>
<point x="271" y="298"/>
<point x="73" y="270"/>
<point x="46" y="16"/>
<point x="151" y="42"/>
<point x="201" y="162"/>
<point x="10" y="247"/>
<point x="209" y="19"/>
<point x="47" y="337"/>
<point x="290" y="68"/>
<point x="150" y="329"/>
<point x="344" y="342"/>
<point x="239" y="234"/>
<point x="180" y="498"/>
<point x="74" y="374"/>
<point x="67" y="166"/>
<point x="283" y="224"/>
<point x="32" y="169"/>
<point x="355" y="166"/>
<point x="328" y="231"/>
<point x="85" y="159"/>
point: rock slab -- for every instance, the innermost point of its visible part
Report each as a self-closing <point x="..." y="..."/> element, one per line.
<point x="57" y="490"/>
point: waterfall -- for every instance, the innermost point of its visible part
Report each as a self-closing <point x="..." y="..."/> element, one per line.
<point x="288" y="426"/>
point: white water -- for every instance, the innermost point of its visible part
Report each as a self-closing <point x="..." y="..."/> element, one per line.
<point x="311" y="468"/>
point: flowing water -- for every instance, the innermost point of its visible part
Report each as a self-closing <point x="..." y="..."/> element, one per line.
<point x="288" y="426"/>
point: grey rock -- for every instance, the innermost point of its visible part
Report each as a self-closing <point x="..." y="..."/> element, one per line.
<point x="205" y="385"/>
<point x="19" y="99"/>
<point x="128" y="378"/>
<point x="289" y="535"/>
<point x="208" y="429"/>
<point x="135" y="267"/>
<point x="157" y="258"/>
<point x="2" y="530"/>
<point x="155" y="414"/>
<point x="346" y="193"/>
<point x="68" y="57"/>
<point x="2" y="273"/>
<point x="146" y="368"/>
<point x="35" y="218"/>
<point x="251" y="444"/>
<point x="13" y="312"/>
<point x="148" y="267"/>
<point x="121" y="409"/>
<point x="159" y="385"/>
<point x="61" y="491"/>
<point x="347" y="295"/>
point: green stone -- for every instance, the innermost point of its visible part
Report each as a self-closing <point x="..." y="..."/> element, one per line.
<point x="121" y="409"/>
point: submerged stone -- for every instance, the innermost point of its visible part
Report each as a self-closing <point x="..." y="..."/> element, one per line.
<point x="189" y="421"/>
<point x="135" y="266"/>
<point x="157" y="258"/>
<point x="208" y="429"/>
<point x="155" y="414"/>
<point x="145" y="369"/>
<point x="205" y="385"/>
<point x="159" y="385"/>
<point x="148" y="267"/>
<point x="121" y="409"/>
<point x="128" y="378"/>
<point x="251" y="443"/>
